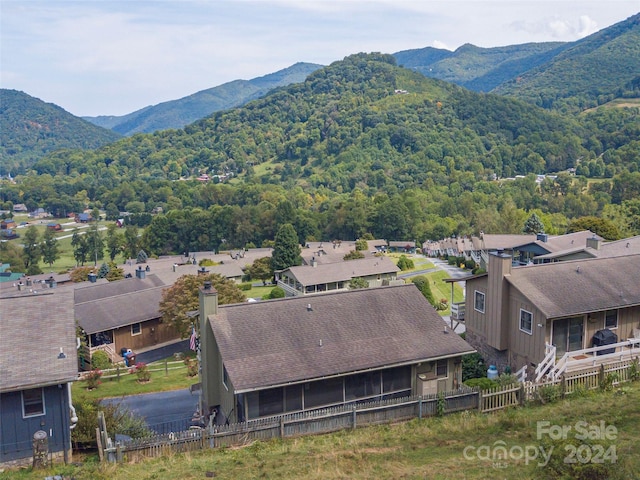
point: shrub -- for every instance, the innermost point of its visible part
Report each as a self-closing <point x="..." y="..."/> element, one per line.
<point x="473" y="366"/>
<point x="507" y="379"/>
<point x="192" y="367"/>
<point x="353" y="255"/>
<point x="634" y="370"/>
<point x="405" y="263"/>
<point x="483" y="383"/>
<point x="207" y="262"/>
<point x="469" y="264"/>
<point x="548" y="393"/>
<point x="245" y="286"/>
<point x="609" y="380"/>
<point x="141" y="370"/>
<point x="361" y="244"/>
<point x="276" y="292"/>
<point x="93" y="378"/>
<point x="100" y="360"/>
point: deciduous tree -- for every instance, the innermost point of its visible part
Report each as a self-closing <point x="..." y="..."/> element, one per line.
<point x="182" y="298"/>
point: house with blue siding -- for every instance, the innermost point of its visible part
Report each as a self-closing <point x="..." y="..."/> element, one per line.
<point x="38" y="362"/>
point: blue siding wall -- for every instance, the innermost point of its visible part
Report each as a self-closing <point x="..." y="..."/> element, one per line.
<point x="16" y="433"/>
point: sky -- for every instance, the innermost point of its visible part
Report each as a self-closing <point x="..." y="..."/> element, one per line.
<point x="104" y="57"/>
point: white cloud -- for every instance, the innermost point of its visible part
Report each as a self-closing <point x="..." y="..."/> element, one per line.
<point x="439" y="44"/>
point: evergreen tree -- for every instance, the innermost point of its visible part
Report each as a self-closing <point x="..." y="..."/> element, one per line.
<point x="422" y="283"/>
<point x="286" y="251"/>
<point x="31" y="251"/>
<point x="115" y="272"/>
<point x="49" y="247"/>
<point x="533" y="225"/>
<point x="142" y="257"/>
<point x="104" y="271"/>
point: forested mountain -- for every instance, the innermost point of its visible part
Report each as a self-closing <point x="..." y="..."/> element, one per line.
<point x="361" y="146"/>
<point x="31" y="128"/>
<point x="181" y="112"/>
<point x="476" y="68"/>
<point x="594" y="70"/>
<point x="570" y="76"/>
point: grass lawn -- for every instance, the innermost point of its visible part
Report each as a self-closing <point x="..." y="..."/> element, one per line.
<point x="458" y="446"/>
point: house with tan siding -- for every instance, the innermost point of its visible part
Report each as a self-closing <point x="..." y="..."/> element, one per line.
<point x="545" y="317"/>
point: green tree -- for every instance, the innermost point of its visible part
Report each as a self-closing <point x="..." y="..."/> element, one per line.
<point x="131" y="241"/>
<point x="286" y="250"/>
<point x="49" y="247"/>
<point x="95" y="244"/>
<point x="276" y="292"/>
<point x="422" y="283"/>
<point x="103" y="271"/>
<point x="80" y="247"/>
<point x="353" y="255"/>
<point x="600" y="226"/>
<point x="115" y="272"/>
<point x="12" y="254"/>
<point x="358" y="282"/>
<point x="361" y="245"/>
<point x="142" y="257"/>
<point x="113" y="241"/>
<point x="261" y="269"/>
<point x="31" y="250"/>
<point x="182" y="298"/>
<point x="533" y="225"/>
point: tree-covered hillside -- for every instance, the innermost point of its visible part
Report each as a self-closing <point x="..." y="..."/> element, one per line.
<point x="361" y="147"/>
<point x="594" y="70"/>
<point x="181" y="112"/>
<point x="479" y="69"/>
<point x="31" y="128"/>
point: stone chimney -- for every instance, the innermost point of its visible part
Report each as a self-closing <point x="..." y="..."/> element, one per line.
<point x="594" y="242"/>
<point x="208" y="300"/>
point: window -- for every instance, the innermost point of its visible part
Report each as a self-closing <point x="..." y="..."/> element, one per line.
<point x="442" y="368"/>
<point x="32" y="402"/>
<point x="526" y="321"/>
<point x="478" y="301"/>
<point x="136" y="329"/>
<point x="225" y="377"/>
<point x="611" y="319"/>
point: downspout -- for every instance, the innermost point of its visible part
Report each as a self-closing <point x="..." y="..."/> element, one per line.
<point x="74" y="417"/>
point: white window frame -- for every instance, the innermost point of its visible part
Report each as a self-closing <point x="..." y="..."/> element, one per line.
<point x="617" y="312"/>
<point x="476" y="295"/>
<point x="522" y="329"/>
<point x="44" y="409"/>
<point x="133" y="334"/>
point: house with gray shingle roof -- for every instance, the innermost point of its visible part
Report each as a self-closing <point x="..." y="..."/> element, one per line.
<point x="321" y="278"/>
<point x="123" y="314"/>
<point x="38" y="362"/>
<point x="517" y="316"/>
<point x="301" y="353"/>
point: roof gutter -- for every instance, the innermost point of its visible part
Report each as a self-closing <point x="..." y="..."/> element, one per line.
<point x="355" y="372"/>
<point x="39" y="385"/>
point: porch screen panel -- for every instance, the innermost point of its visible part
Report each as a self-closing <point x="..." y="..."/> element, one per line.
<point x="293" y="398"/>
<point x="265" y="402"/>
<point x="323" y="392"/>
<point x="395" y="379"/>
<point x="362" y="385"/>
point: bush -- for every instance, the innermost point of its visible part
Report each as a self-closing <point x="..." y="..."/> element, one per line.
<point x="141" y="370"/>
<point x="405" y="263"/>
<point x="276" y="292"/>
<point x="93" y="379"/>
<point x="483" y="383"/>
<point x="548" y="394"/>
<point x="473" y="366"/>
<point x="100" y="360"/>
<point x="245" y="286"/>
<point x="469" y="264"/>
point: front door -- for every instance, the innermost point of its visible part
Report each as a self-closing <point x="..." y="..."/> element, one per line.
<point x="567" y="335"/>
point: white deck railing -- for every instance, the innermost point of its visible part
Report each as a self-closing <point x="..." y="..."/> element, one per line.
<point x="547" y="363"/>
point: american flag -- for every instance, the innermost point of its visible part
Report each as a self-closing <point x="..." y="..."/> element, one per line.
<point x="192" y="340"/>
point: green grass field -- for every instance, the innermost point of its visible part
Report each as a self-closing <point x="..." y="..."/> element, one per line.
<point x="458" y="446"/>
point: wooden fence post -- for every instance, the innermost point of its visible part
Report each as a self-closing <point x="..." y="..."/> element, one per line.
<point x="281" y="427"/>
<point x="522" y="394"/>
<point x="99" y="440"/>
<point x="563" y="386"/>
<point x="601" y="375"/>
<point x="166" y="368"/>
<point x="479" y="399"/>
<point x="118" y="373"/>
<point x="420" y="406"/>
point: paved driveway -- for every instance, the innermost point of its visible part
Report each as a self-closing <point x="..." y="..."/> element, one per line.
<point x="168" y="411"/>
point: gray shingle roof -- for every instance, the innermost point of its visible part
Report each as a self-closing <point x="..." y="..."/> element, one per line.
<point x="281" y="341"/>
<point x="343" y="271"/>
<point x="33" y="328"/>
<point x="124" y="307"/>
<point x="580" y="286"/>
<point x="91" y="291"/>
